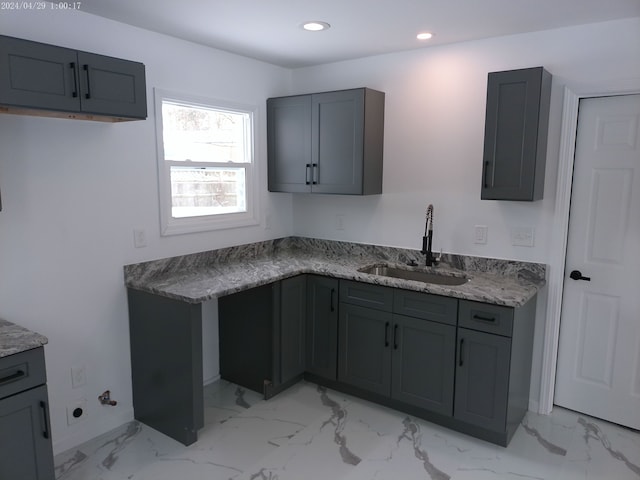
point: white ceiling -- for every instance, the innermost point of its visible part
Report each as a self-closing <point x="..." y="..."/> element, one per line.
<point x="269" y="30"/>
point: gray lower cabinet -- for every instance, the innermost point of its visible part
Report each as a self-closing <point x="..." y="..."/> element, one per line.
<point x="41" y="77"/>
<point x="482" y="378"/>
<point x="166" y="364"/>
<point x="364" y="358"/>
<point x="407" y="358"/>
<point x="462" y="364"/>
<point x="423" y="363"/>
<point x="290" y="331"/>
<point x="330" y="142"/>
<point x="322" y="326"/>
<point x="262" y="335"/>
<point x="515" y="139"/>
<point x="493" y="367"/>
<point x="25" y="439"/>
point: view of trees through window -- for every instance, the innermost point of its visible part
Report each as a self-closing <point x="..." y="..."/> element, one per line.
<point x="208" y="152"/>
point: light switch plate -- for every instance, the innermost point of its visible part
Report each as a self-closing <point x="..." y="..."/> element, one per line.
<point x="78" y="376"/>
<point x="480" y="234"/>
<point x="139" y="238"/>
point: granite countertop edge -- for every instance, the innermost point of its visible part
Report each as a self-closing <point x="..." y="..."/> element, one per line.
<point x="16" y="339"/>
<point x="208" y="275"/>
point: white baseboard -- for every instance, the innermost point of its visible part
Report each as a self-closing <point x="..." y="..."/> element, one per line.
<point x="208" y="381"/>
<point x="534" y="406"/>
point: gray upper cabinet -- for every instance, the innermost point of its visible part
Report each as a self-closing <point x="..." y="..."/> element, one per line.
<point x="328" y="142"/>
<point x="515" y="139"/>
<point x="289" y="143"/>
<point x="42" y="79"/>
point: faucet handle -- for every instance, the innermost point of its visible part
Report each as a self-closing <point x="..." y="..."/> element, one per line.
<point x="435" y="259"/>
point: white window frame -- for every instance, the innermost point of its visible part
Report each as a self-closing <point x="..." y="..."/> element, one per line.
<point x="170" y="225"/>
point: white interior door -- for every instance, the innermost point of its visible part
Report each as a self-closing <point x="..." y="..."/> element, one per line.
<point x="599" y="352"/>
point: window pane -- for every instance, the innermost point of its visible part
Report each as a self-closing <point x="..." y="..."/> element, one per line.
<point x="201" y="134"/>
<point x="198" y="191"/>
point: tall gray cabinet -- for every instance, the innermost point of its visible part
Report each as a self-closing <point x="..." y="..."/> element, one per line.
<point x="329" y="142"/>
<point x="515" y="138"/>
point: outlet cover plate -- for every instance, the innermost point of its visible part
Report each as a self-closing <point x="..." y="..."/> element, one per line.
<point x="72" y="407"/>
<point x="523" y="236"/>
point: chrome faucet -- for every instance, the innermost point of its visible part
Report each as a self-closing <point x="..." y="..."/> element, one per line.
<point x="427" y="239"/>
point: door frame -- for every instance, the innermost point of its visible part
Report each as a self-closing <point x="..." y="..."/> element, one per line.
<point x="558" y="251"/>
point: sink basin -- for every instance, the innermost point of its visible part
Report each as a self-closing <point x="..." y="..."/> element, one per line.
<point x="415" y="275"/>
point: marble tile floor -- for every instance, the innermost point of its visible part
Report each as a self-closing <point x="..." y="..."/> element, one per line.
<point x="311" y="433"/>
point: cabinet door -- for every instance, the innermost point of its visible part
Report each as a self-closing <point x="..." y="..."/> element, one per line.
<point x="515" y="139"/>
<point x="292" y="327"/>
<point x="337" y="142"/>
<point x="322" y="326"/>
<point x="482" y="379"/>
<point x="36" y="75"/>
<point x="289" y="144"/>
<point x="423" y="363"/>
<point x="25" y="439"/>
<point x="364" y="358"/>
<point x="112" y="86"/>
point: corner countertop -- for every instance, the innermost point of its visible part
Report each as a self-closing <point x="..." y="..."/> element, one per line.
<point x="199" y="277"/>
<point x="16" y="339"/>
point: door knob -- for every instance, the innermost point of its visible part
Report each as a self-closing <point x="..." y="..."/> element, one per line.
<point x="577" y="275"/>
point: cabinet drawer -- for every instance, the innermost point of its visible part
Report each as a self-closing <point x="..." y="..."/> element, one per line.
<point x="366" y="295"/>
<point x="426" y="306"/>
<point x="485" y="317"/>
<point x="22" y="371"/>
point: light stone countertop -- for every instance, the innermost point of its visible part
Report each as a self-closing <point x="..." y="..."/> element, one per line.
<point x="16" y="339"/>
<point x="199" y="277"/>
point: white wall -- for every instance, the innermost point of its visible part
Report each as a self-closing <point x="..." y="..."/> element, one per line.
<point x="72" y="193"/>
<point x="434" y="127"/>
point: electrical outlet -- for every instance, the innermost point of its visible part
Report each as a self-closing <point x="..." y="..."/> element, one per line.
<point x="76" y="411"/>
<point x="139" y="237"/>
<point x="522" y="236"/>
<point x="78" y="376"/>
<point x="340" y="221"/>
<point x="480" y="234"/>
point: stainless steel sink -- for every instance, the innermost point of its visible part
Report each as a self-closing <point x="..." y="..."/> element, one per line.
<point x="415" y="275"/>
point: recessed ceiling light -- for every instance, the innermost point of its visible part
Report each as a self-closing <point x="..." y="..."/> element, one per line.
<point x="315" y="26"/>
<point x="424" y="36"/>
